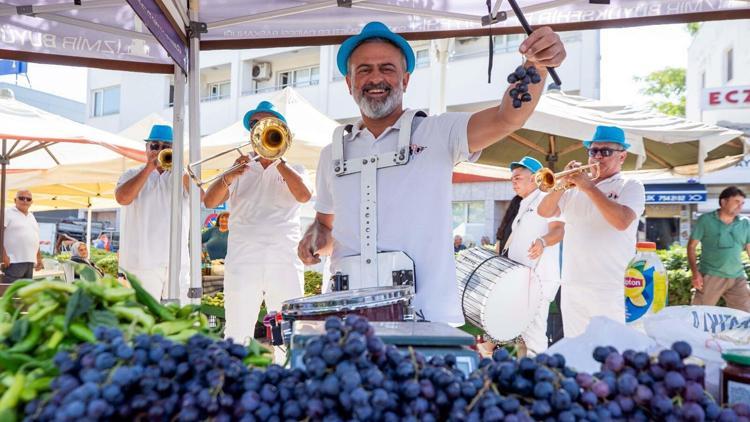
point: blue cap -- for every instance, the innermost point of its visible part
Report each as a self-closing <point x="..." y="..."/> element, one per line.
<point x="373" y="30"/>
<point x="263" y="107"/>
<point x="528" y="162"/>
<point x="160" y="133"/>
<point x="611" y="134"/>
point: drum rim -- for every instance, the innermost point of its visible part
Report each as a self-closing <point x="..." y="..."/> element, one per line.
<point x="378" y="296"/>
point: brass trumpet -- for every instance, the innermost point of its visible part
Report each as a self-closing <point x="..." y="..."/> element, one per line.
<point x="270" y="138"/>
<point x="547" y="181"/>
<point x="165" y="159"/>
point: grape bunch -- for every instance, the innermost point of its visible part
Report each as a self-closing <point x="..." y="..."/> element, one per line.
<point x="522" y="77"/>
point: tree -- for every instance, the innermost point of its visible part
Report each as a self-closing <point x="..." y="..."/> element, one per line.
<point x="693" y="28"/>
<point x="667" y="88"/>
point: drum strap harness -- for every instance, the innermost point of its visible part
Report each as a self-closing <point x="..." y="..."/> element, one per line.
<point x="368" y="167"/>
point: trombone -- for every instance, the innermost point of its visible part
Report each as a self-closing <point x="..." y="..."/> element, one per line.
<point x="547" y="181"/>
<point x="270" y="138"/>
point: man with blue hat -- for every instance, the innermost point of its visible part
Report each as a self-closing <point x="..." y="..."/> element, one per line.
<point x="264" y="197"/>
<point x="601" y="223"/>
<point x="387" y="178"/>
<point x="145" y="195"/>
<point x="534" y="242"/>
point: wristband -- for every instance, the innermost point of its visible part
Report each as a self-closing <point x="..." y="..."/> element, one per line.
<point x="541" y="239"/>
<point x="223" y="180"/>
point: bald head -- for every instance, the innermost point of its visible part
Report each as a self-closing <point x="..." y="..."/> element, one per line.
<point x="23" y="200"/>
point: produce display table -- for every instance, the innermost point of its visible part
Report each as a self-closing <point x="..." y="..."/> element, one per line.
<point x="213" y="284"/>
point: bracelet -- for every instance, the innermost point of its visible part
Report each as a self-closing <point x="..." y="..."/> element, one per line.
<point x="541" y="239"/>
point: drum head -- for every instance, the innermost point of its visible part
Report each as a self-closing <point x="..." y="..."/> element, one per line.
<point x="512" y="304"/>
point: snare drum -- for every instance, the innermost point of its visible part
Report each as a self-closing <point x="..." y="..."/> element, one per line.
<point x="498" y="294"/>
<point x="376" y="304"/>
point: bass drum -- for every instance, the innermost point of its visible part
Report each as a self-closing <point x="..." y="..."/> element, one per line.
<point x="498" y="294"/>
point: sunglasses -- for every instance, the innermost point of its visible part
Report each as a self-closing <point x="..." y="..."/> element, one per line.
<point x="154" y="146"/>
<point x="604" y="152"/>
<point x="24" y="198"/>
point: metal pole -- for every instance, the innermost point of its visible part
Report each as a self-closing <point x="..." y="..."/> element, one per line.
<point x="88" y="228"/>
<point x="175" y="233"/>
<point x="3" y="165"/>
<point x="194" y="79"/>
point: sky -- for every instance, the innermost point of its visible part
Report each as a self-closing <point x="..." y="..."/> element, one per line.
<point x="625" y="53"/>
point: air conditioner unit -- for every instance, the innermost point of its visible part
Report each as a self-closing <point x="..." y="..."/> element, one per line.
<point x="262" y="71"/>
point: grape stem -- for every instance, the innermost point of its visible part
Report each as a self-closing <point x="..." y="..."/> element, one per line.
<point x="475" y="400"/>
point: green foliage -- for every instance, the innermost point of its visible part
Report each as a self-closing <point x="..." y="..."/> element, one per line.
<point x="108" y="263"/>
<point x="693" y="27"/>
<point x="313" y="283"/>
<point x="667" y="88"/>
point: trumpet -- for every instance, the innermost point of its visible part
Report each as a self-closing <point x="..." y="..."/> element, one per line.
<point x="165" y="159"/>
<point x="547" y="181"/>
<point x="270" y="138"/>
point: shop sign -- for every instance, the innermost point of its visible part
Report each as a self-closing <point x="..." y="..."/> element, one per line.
<point x="675" y="197"/>
<point x="726" y="97"/>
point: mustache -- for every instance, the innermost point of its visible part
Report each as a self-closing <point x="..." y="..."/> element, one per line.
<point x="380" y="85"/>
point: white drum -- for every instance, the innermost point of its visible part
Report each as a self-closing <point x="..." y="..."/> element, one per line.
<point x="498" y="294"/>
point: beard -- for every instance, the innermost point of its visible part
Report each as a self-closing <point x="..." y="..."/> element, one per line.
<point x="376" y="108"/>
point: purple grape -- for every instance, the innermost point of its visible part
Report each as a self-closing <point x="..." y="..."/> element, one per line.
<point x="601" y="389"/>
<point x="600" y="354"/>
<point x="674" y="381"/>
<point x="643" y="395"/>
<point x="669" y="359"/>
<point x="584" y="380"/>
<point x="742" y="409"/>
<point x="614" y="362"/>
<point x="627" y="384"/>
<point x="683" y="349"/>
<point x="692" y="412"/>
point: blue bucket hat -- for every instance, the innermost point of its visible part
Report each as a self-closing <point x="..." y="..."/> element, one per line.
<point x="373" y="30"/>
<point x="611" y="134"/>
<point x="263" y="107"/>
<point x="527" y="162"/>
<point x="160" y="133"/>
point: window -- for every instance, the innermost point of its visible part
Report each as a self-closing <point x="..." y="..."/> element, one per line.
<point x="423" y="58"/>
<point x="729" y="65"/>
<point x="299" y="77"/>
<point x="105" y="101"/>
<point x="468" y="212"/>
<point x="218" y="90"/>
<point x="171" y="95"/>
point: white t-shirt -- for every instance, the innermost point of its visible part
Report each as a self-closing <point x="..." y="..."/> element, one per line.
<point x="414" y="204"/>
<point x="264" y="219"/>
<point x="527" y="227"/>
<point x="145" y="223"/>
<point x="21" y="241"/>
<point x="595" y="254"/>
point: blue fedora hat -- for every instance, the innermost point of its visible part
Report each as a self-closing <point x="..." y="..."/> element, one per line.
<point x="527" y="162"/>
<point x="160" y="133"/>
<point x="373" y="30"/>
<point x="611" y="134"/>
<point x="263" y="107"/>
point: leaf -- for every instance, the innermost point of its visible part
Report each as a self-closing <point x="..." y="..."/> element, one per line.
<point x="78" y="304"/>
<point x="20" y="330"/>
<point x="99" y="318"/>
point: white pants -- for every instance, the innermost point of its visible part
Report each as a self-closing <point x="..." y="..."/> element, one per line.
<point x="245" y="288"/>
<point x="579" y="303"/>
<point x="156" y="282"/>
<point x="535" y="334"/>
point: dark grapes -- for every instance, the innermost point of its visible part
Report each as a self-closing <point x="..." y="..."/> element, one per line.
<point x="522" y="77"/>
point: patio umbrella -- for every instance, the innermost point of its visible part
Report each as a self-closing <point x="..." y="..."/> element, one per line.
<point x="554" y="132"/>
<point x="35" y="143"/>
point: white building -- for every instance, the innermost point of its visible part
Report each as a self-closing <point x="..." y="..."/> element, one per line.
<point x="233" y="82"/>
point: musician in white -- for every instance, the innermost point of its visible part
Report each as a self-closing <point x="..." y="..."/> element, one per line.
<point x="413" y="194"/>
<point x="534" y="242"/>
<point x="264" y="197"/>
<point x="601" y="221"/>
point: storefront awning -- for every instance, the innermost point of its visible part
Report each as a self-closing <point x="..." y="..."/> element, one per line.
<point x="676" y="193"/>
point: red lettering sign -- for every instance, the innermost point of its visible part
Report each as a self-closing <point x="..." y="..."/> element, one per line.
<point x="730" y="96"/>
<point x="713" y="98"/>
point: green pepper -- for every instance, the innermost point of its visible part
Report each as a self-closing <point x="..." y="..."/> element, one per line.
<point x="171" y="327"/>
<point x="187" y="310"/>
<point x="143" y="297"/>
<point x="9" y="400"/>
<point x="117" y="294"/>
<point x="7" y="299"/>
<point x="29" y="342"/>
<point x="43" y="312"/>
<point x="40" y="384"/>
<point x="137" y="315"/>
<point x="82" y="332"/>
<point x="5" y="328"/>
<point x="183" y="335"/>
<point x="12" y="361"/>
<point x="258" y="360"/>
<point x="54" y="340"/>
<point x="47" y="285"/>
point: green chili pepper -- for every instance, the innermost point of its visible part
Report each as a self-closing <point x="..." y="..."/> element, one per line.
<point x="186" y="310"/>
<point x="7" y="299"/>
<point x="29" y="342"/>
<point x="137" y="315"/>
<point x="55" y="340"/>
<point x="143" y="297"/>
<point x="170" y="327"/>
<point x="82" y="332"/>
<point x="13" y="361"/>
<point x="43" y="312"/>
<point x="183" y="335"/>
<point x="9" y="400"/>
<point x="117" y="294"/>
<point x="41" y="286"/>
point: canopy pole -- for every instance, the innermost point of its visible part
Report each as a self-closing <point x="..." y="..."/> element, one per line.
<point x="194" y="78"/>
<point x="3" y="170"/>
<point x="88" y="229"/>
<point x="439" y="50"/>
<point x="175" y="232"/>
<point x="701" y="159"/>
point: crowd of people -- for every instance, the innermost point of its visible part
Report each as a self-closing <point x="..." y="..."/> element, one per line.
<point x="397" y="165"/>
